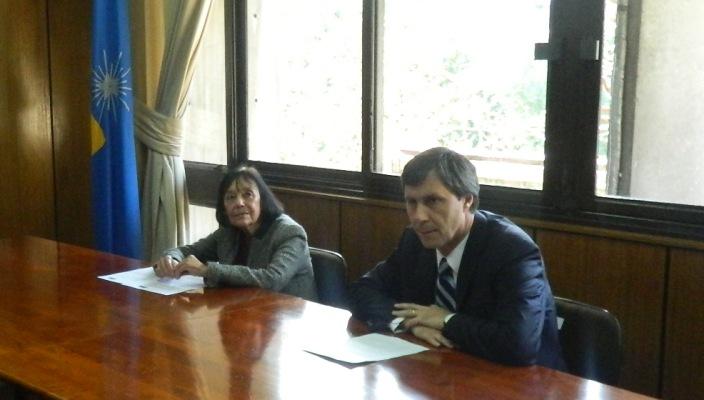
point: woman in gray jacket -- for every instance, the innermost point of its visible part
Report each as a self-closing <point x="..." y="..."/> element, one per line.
<point x="256" y="244"/>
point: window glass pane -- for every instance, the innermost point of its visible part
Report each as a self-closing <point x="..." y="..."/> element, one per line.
<point x="660" y="156"/>
<point x="610" y="99"/>
<point x="204" y="120"/>
<point x="304" y="82"/>
<point x="461" y="74"/>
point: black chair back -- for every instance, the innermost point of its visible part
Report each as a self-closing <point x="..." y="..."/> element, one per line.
<point x="591" y="341"/>
<point x="330" y="277"/>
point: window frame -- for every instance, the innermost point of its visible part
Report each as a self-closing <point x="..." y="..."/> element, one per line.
<point x="572" y="112"/>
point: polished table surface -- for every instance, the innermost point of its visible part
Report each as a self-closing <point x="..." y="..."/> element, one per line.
<point x="66" y="334"/>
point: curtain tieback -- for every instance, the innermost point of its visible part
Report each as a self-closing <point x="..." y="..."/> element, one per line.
<point x="157" y="131"/>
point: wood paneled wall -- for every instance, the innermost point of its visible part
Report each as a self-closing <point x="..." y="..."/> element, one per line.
<point x="683" y="372"/>
<point x="70" y="31"/>
<point x="44" y="125"/>
<point x="654" y="288"/>
<point x="625" y="278"/>
<point x="369" y="234"/>
<point x="26" y="158"/>
<point x="320" y="215"/>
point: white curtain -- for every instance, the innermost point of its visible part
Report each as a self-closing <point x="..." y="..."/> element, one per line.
<point x="158" y="126"/>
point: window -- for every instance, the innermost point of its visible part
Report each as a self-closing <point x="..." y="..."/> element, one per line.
<point x="653" y="150"/>
<point x="337" y="95"/>
<point x="205" y="116"/>
<point x="461" y="74"/>
<point x="304" y="82"/>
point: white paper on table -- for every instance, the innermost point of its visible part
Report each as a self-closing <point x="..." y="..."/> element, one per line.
<point x="145" y="279"/>
<point x="371" y="347"/>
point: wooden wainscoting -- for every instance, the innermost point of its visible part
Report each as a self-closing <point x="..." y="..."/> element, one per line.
<point x="320" y="217"/>
<point x="369" y="234"/>
<point x="683" y="369"/>
<point x="626" y="278"/>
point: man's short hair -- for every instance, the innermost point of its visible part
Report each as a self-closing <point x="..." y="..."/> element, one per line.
<point x="454" y="170"/>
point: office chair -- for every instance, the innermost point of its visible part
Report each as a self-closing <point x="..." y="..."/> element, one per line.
<point x="591" y="341"/>
<point x="330" y="277"/>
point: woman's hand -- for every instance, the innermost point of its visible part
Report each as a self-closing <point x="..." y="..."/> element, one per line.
<point x="165" y="267"/>
<point x="191" y="266"/>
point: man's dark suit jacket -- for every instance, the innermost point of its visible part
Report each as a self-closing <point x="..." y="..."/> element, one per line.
<point x="505" y="308"/>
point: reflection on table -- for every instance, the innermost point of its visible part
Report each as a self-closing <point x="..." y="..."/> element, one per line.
<point x="66" y="334"/>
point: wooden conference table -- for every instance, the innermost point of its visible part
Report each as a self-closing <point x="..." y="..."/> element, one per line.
<point x="66" y="334"/>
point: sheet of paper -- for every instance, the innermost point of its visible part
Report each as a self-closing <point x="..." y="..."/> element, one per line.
<point x="145" y="279"/>
<point x="371" y="347"/>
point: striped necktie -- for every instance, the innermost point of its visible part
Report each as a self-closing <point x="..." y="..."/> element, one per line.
<point x="445" y="290"/>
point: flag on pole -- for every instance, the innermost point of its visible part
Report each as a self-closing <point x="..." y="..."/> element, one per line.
<point x="115" y="192"/>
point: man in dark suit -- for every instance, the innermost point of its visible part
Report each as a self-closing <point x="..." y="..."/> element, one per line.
<point x="461" y="277"/>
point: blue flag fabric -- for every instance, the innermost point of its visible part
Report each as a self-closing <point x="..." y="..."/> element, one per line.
<point x="115" y="191"/>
